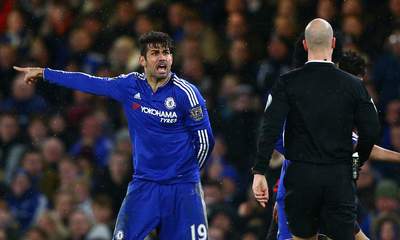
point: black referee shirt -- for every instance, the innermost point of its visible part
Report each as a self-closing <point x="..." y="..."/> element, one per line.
<point x="322" y="105"/>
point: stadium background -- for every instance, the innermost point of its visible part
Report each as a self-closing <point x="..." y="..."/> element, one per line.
<point x="65" y="155"/>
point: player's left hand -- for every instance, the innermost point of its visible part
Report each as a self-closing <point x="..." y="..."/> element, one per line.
<point x="260" y="189"/>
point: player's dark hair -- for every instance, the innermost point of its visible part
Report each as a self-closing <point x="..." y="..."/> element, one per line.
<point x="353" y="63"/>
<point x="155" y="39"/>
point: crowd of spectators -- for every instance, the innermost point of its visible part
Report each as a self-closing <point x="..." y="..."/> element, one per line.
<point x="65" y="156"/>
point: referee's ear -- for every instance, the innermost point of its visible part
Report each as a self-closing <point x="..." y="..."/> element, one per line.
<point x="333" y="43"/>
<point x="305" y="45"/>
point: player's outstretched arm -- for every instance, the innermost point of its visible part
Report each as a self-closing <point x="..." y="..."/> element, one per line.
<point x="384" y="155"/>
<point x="111" y="87"/>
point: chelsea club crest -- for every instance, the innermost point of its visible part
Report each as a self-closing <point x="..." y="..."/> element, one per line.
<point x="169" y="103"/>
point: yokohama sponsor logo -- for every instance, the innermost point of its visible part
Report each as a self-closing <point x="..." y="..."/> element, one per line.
<point x="155" y="112"/>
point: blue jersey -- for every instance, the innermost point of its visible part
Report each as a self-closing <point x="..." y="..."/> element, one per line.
<point x="170" y="130"/>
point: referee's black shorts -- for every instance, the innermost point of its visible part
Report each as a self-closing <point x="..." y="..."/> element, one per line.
<point x="313" y="188"/>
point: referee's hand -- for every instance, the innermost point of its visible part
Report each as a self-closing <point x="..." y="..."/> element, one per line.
<point x="260" y="189"/>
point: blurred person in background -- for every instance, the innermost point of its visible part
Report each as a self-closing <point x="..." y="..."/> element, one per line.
<point x="35" y="233"/>
<point x="58" y="127"/>
<point x="37" y="131"/>
<point x="276" y="64"/>
<point x="92" y="143"/>
<point x="387" y="227"/>
<point x="8" y="56"/>
<point x="79" y="225"/>
<point x="123" y="55"/>
<point x="103" y="217"/>
<point x="114" y="180"/>
<point x="17" y="34"/>
<point x="68" y="172"/>
<point x="81" y="189"/>
<point x="385" y="72"/>
<point x="11" y="147"/>
<point x="25" y="201"/>
<point x="64" y="203"/>
<point x="8" y="224"/>
<point x="23" y="100"/>
<point x="52" y="226"/>
<point x="32" y="163"/>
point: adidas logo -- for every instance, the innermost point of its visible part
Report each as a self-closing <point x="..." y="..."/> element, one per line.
<point x="137" y="96"/>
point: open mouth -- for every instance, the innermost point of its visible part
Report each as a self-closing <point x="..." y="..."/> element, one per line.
<point x="162" y="67"/>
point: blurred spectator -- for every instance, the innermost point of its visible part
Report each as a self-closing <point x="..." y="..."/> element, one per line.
<point x="352" y="8"/>
<point x="79" y="225"/>
<point x="387" y="197"/>
<point x="103" y="215"/>
<point x="16" y="34"/>
<point x="81" y="189"/>
<point x="35" y="233"/>
<point x="58" y="128"/>
<point x="124" y="55"/>
<point x="50" y="224"/>
<point x="68" y="172"/>
<point x="25" y="202"/>
<point x="276" y="64"/>
<point x="11" y="148"/>
<point x="209" y="49"/>
<point x="56" y="27"/>
<point x="39" y="53"/>
<point x="326" y="9"/>
<point x="92" y="143"/>
<point x="80" y="42"/>
<point x="387" y="227"/>
<point x="114" y="180"/>
<point x="240" y="62"/>
<point x="8" y="224"/>
<point x="23" y="100"/>
<point x="32" y="164"/>
<point x="37" y="132"/>
<point x="64" y="204"/>
<point x="8" y="58"/>
<point x="385" y="73"/>
<point x="144" y="23"/>
<point x="123" y="143"/>
<point x="176" y="17"/>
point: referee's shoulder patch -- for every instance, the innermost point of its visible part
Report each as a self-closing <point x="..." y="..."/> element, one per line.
<point x="196" y="113"/>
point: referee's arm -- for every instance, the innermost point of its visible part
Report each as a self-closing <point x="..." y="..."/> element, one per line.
<point x="271" y="127"/>
<point x="367" y="123"/>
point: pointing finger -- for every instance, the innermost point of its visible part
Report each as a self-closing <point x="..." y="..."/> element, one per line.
<point x="20" y="69"/>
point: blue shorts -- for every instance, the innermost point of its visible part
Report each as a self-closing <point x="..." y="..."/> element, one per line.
<point x="283" y="228"/>
<point x="177" y="211"/>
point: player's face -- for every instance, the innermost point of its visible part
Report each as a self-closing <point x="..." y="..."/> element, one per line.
<point x="158" y="62"/>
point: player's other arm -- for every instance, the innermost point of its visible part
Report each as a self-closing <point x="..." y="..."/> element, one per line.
<point x="197" y="121"/>
<point x="367" y="123"/>
<point x="379" y="153"/>
<point x="110" y="87"/>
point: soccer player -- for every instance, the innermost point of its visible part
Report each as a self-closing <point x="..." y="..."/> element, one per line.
<point x="354" y="64"/>
<point x="170" y="130"/>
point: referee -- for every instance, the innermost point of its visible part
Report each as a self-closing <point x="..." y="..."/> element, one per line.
<point x="321" y="106"/>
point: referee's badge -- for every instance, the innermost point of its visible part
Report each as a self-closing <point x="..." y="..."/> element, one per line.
<point x="196" y="113"/>
<point x="169" y="103"/>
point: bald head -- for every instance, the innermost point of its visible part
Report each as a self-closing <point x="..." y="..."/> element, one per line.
<point x="319" y="35"/>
